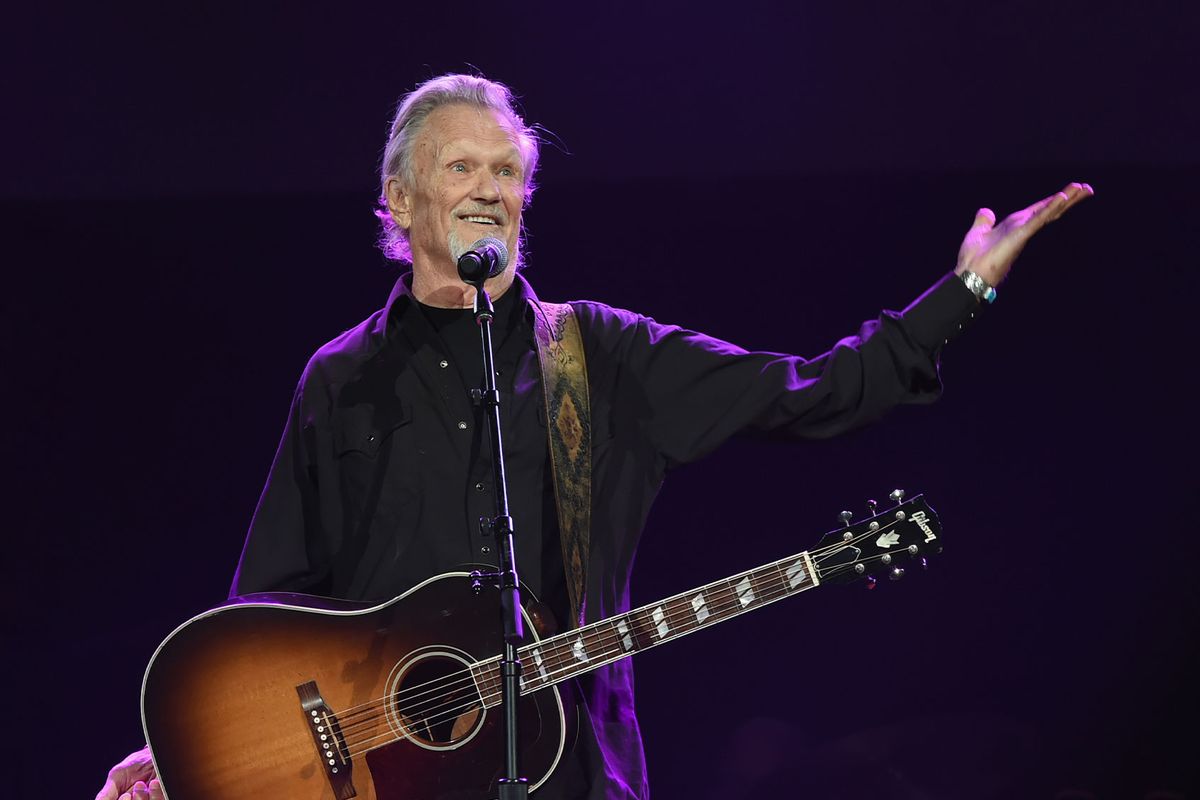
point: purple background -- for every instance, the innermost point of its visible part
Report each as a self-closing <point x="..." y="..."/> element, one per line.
<point x="187" y="215"/>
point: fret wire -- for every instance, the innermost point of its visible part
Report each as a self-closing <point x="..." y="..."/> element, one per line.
<point x="592" y="666"/>
<point x="767" y="589"/>
<point x="553" y="647"/>
<point x="565" y="664"/>
<point x="556" y="650"/>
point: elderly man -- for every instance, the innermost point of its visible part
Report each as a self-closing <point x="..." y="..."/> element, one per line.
<point x="384" y="467"/>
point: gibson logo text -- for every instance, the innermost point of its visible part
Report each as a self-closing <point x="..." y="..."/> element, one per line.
<point x="922" y="522"/>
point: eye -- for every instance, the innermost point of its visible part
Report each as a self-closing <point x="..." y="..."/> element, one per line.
<point x="508" y="172"/>
<point x="458" y="166"/>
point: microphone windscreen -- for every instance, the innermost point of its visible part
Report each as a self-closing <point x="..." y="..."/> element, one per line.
<point x="498" y="248"/>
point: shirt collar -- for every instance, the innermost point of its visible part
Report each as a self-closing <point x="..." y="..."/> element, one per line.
<point x="401" y="300"/>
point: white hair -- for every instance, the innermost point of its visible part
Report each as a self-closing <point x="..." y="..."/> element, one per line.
<point x="414" y="109"/>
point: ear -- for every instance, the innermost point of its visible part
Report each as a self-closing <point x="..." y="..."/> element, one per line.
<point x="399" y="202"/>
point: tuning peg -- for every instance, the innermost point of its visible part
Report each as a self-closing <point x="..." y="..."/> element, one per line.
<point x="897" y="496"/>
<point x="896" y="574"/>
<point x="845" y="517"/>
<point x="873" y="507"/>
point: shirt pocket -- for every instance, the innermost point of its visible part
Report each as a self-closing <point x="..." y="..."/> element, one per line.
<point x="364" y="430"/>
<point x="371" y="450"/>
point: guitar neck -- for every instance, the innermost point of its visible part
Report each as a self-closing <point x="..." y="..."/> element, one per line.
<point x="575" y="652"/>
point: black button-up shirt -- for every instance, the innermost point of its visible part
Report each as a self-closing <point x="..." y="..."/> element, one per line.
<point x="375" y="484"/>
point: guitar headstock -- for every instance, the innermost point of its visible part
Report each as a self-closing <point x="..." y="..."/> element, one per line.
<point x="905" y="533"/>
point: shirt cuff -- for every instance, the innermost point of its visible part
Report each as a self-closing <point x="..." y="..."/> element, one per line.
<point x="939" y="315"/>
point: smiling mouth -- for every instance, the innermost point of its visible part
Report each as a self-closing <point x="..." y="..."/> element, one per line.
<point x="478" y="220"/>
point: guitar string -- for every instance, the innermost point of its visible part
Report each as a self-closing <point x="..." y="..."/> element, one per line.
<point x="437" y="685"/>
<point x="352" y="720"/>
<point x="368" y="714"/>
<point x="441" y="714"/>
<point x="370" y="704"/>
<point x="491" y="681"/>
<point x="446" y="714"/>
<point x="351" y="726"/>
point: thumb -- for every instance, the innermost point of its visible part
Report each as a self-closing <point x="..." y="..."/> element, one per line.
<point x="985" y="218"/>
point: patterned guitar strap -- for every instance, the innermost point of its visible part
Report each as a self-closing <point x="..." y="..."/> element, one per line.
<point x="569" y="426"/>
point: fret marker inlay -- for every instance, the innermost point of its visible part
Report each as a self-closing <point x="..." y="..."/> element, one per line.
<point x="660" y="622"/>
<point x="744" y="592"/>
<point x="537" y="660"/>
<point x="578" y="651"/>
<point x="626" y="638"/>
<point x="700" y="608"/>
<point x="796" y="574"/>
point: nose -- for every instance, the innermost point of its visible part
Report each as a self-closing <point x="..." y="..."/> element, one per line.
<point x="486" y="189"/>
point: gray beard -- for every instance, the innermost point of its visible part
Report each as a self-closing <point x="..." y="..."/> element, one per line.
<point x="458" y="248"/>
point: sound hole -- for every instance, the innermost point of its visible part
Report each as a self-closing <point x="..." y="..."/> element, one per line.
<point x="435" y="701"/>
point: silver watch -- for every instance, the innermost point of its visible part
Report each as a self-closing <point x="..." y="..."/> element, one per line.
<point x="983" y="291"/>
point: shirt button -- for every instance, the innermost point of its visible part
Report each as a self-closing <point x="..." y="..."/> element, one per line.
<point x="485" y="549"/>
<point x="462" y="426"/>
<point x="443" y="363"/>
<point x="479" y="487"/>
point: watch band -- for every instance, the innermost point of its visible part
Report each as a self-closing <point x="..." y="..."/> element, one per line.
<point x="983" y="291"/>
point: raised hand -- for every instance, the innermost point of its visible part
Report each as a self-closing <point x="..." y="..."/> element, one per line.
<point x="990" y="249"/>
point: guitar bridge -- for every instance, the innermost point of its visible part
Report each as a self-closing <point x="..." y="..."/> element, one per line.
<point x="327" y="735"/>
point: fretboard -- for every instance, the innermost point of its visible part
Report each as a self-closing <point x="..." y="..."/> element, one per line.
<point x="567" y="655"/>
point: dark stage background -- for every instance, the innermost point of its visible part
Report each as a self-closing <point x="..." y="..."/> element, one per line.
<point x="186" y="209"/>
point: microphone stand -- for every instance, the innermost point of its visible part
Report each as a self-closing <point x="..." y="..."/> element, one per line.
<point x="512" y="785"/>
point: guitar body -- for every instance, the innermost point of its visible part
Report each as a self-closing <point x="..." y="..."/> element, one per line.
<point x="236" y="701"/>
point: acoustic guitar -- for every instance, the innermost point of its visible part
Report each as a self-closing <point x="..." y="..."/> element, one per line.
<point x="301" y="698"/>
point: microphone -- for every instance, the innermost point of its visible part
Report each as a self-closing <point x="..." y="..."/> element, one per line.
<point x="487" y="258"/>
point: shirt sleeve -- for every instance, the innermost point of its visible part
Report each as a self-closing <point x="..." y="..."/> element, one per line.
<point x="285" y="547"/>
<point x="692" y="392"/>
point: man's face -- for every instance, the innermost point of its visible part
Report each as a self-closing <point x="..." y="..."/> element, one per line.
<point x="468" y="183"/>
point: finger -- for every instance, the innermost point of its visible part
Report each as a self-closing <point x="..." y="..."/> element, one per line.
<point x="1076" y="193"/>
<point x="156" y="790"/>
<point x="1030" y="220"/>
<point x="1041" y="211"/>
<point x="139" y="791"/>
<point x="135" y="766"/>
<point x="985" y="218"/>
<point x="1057" y="204"/>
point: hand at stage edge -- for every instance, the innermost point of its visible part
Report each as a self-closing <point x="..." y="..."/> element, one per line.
<point x="989" y="249"/>
<point x="132" y="779"/>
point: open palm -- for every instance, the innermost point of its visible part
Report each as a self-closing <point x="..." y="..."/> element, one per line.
<point x="989" y="249"/>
